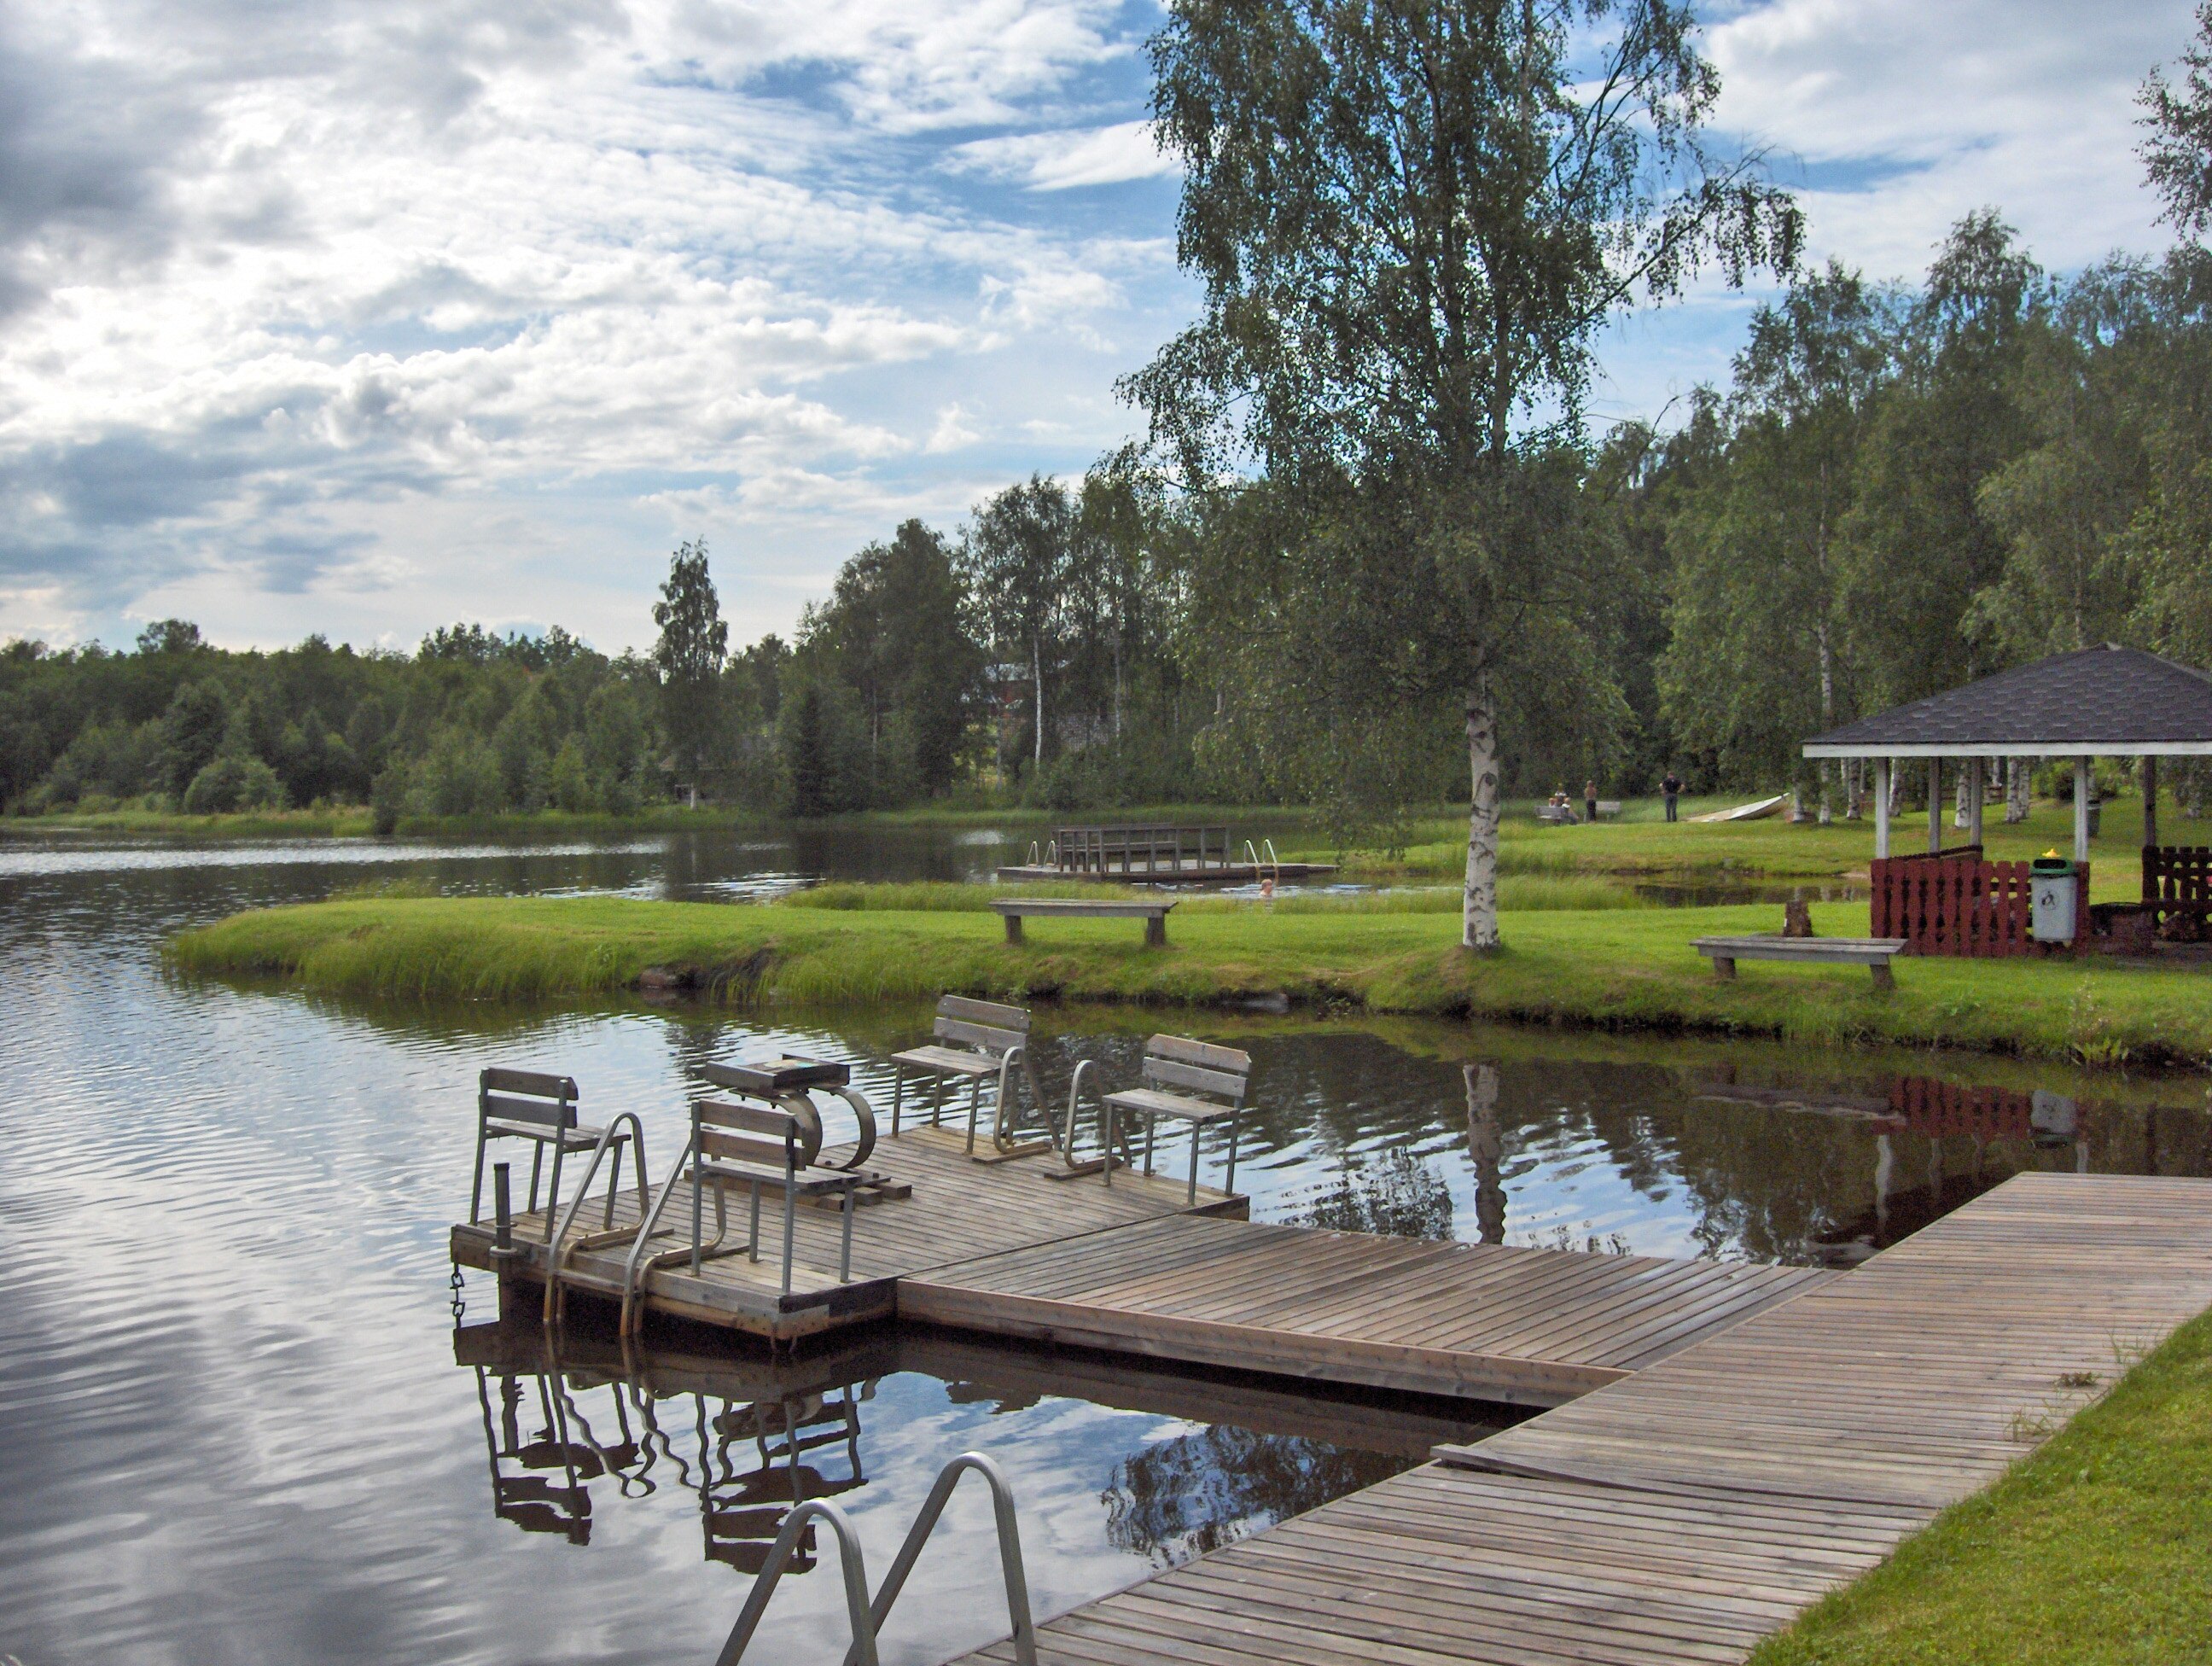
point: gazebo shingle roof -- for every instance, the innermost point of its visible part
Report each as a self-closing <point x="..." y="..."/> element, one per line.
<point x="2111" y="700"/>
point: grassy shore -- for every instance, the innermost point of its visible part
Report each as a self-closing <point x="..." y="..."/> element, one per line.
<point x="1643" y="845"/>
<point x="2091" y="1553"/>
<point x="1631" y="967"/>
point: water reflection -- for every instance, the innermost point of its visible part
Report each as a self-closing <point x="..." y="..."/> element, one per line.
<point x="231" y="1418"/>
<point x="739" y="1436"/>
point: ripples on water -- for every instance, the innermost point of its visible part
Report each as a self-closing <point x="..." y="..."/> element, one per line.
<point x="238" y="1425"/>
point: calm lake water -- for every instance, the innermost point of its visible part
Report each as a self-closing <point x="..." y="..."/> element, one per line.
<point x="238" y="1421"/>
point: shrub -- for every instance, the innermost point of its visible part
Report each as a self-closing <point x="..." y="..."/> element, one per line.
<point x="233" y="783"/>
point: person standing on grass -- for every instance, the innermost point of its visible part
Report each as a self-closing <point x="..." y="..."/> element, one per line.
<point x="1672" y="786"/>
<point x="1589" y="798"/>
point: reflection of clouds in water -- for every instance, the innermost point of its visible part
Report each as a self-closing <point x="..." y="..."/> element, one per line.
<point x="111" y="858"/>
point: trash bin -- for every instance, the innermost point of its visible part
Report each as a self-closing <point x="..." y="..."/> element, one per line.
<point x="2055" y="898"/>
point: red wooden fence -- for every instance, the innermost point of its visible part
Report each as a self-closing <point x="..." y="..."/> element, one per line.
<point x="2177" y="879"/>
<point x="1952" y="903"/>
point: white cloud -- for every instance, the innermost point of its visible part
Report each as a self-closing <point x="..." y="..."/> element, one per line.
<point x="1907" y="116"/>
<point x="1059" y="162"/>
<point x="317" y="317"/>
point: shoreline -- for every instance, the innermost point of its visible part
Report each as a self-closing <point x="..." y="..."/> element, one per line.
<point x="1630" y="971"/>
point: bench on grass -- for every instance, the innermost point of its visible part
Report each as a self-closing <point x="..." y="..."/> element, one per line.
<point x="1014" y="909"/>
<point x="1875" y="953"/>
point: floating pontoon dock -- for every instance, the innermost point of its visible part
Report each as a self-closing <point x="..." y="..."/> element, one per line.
<point x="1689" y="1510"/>
<point x="1162" y="855"/>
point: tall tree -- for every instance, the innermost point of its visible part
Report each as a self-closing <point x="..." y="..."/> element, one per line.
<point x="1918" y="545"/>
<point x="1410" y="218"/>
<point x="1757" y="549"/>
<point x="693" y="641"/>
<point x="1018" y="554"/>
<point x="2177" y="150"/>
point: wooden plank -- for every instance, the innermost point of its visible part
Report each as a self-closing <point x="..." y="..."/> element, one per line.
<point x="1692" y="1508"/>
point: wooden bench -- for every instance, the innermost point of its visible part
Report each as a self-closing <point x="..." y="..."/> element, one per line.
<point x="529" y="1104"/>
<point x="973" y="1041"/>
<point x="1191" y="1081"/>
<point x="1154" y="915"/>
<point x="1875" y="953"/>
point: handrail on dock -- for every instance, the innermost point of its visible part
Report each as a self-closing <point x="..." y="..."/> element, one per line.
<point x="557" y="1246"/>
<point x="868" y="1618"/>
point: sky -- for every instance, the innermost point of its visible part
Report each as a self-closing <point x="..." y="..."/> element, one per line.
<point x="358" y="319"/>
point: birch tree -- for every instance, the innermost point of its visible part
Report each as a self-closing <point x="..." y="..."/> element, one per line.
<point x="1409" y="219"/>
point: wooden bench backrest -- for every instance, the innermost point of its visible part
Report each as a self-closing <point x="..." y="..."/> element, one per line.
<point x="764" y="1135"/>
<point x="1177" y="1062"/>
<point x="528" y="1096"/>
<point x="981" y="1023"/>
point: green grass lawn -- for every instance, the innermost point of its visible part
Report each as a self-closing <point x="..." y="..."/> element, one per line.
<point x="1627" y="968"/>
<point x="1641" y="843"/>
<point x="2096" y="1551"/>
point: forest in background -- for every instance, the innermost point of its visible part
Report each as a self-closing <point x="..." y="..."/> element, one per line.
<point x="1900" y="487"/>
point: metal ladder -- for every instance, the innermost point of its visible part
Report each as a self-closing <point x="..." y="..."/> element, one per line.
<point x="868" y="1618"/>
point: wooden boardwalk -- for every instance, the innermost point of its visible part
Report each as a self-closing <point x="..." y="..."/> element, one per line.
<point x="1529" y="1327"/>
<point x="960" y="1209"/>
<point x="1685" y="1512"/>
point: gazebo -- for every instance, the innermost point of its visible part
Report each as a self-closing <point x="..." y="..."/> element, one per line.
<point x="2096" y="702"/>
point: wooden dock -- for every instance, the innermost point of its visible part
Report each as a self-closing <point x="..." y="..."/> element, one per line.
<point x="1188" y="874"/>
<point x="1687" y="1512"/>
<point x="1527" y="1326"/>
<point x="958" y="1209"/>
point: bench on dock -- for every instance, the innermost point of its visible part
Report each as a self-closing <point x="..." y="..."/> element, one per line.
<point x="1014" y="909"/>
<point x="530" y="1104"/>
<point x="975" y="1041"/>
<point x="1191" y="1081"/>
<point x="1875" y="953"/>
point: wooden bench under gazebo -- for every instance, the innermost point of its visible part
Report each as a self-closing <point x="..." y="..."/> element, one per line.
<point x="2095" y="703"/>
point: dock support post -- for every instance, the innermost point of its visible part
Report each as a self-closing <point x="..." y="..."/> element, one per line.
<point x="502" y="1214"/>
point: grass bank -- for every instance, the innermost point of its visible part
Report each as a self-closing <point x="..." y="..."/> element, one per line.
<point x="1630" y="969"/>
<point x="2092" y="1553"/>
<point x="1642" y="843"/>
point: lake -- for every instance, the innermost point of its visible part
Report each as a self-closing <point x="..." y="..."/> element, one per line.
<point x="241" y="1422"/>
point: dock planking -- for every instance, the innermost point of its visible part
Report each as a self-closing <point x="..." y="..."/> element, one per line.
<point x="958" y="1209"/>
<point x="1688" y="1510"/>
<point x="1494" y="1322"/>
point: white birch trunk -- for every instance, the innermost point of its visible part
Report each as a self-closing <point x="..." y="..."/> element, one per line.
<point x="1827" y="706"/>
<point x="1037" y="680"/>
<point x="1479" y="924"/>
<point x="2018" y="771"/>
<point x="1959" y="817"/>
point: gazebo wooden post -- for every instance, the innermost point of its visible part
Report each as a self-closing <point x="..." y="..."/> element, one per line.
<point x="2081" y="809"/>
<point x="1935" y="806"/>
<point x="1974" y="796"/>
<point x="1882" y="807"/>
<point x="2150" y="828"/>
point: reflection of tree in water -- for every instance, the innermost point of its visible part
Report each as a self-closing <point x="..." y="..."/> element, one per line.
<point x="1183" y="1497"/>
<point x="1393" y="1193"/>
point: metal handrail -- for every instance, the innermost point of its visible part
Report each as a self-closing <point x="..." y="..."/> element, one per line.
<point x="1010" y="1556"/>
<point x="1105" y="1158"/>
<point x="868" y="1618"/>
<point x="556" y="1245"/>
<point x="863" y="1652"/>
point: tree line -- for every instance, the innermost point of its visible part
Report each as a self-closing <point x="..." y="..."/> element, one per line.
<point x="1367" y="554"/>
